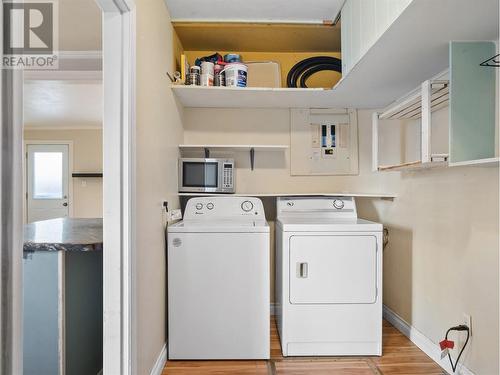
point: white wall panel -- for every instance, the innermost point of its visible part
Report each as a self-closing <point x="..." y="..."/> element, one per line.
<point x="363" y="22"/>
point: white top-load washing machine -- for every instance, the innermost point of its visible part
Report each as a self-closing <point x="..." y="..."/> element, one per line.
<point x="328" y="278"/>
<point x="218" y="280"/>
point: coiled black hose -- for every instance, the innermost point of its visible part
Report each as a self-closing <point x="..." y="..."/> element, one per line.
<point x="307" y="67"/>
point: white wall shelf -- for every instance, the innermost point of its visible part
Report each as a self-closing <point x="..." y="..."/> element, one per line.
<point x="255" y="97"/>
<point x="388" y="70"/>
<point x="360" y="195"/>
<point x="234" y="148"/>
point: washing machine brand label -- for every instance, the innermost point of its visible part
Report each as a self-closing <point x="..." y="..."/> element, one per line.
<point x="177" y="242"/>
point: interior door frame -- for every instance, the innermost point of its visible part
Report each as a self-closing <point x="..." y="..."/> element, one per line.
<point x="11" y="218"/>
<point x="119" y="30"/>
<point x="25" y="172"/>
<point x="118" y="194"/>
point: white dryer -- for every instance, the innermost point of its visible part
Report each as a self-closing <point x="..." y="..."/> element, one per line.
<point x="328" y="278"/>
<point x="218" y="281"/>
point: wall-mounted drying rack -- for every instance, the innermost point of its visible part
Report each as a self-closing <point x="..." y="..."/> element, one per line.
<point x="411" y="107"/>
<point x="471" y="95"/>
<point x="206" y="149"/>
<point x="432" y="95"/>
<point x="86" y="174"/>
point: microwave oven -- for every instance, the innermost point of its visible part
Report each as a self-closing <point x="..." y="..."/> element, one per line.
<point x="198" y="175"/>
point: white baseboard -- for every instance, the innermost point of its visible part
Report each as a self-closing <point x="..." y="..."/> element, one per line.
<point x="160" y="361"/>
<point x="422" y="342"/>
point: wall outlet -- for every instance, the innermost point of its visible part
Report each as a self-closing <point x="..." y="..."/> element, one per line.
<point x="467" y="320"/>
<point x="175" y="215"/>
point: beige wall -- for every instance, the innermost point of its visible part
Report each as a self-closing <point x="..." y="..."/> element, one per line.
<point x="442" y="258"/>
<point x="159" y="132"/>
<point x="79" y="25"/>
<point x="87" y="157"/>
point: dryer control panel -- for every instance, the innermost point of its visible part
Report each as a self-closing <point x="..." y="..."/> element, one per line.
<point x="317" y="207"/>
<point x="224" y="208"/>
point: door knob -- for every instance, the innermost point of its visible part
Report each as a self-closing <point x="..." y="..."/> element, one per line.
<point x="65" y="204"/>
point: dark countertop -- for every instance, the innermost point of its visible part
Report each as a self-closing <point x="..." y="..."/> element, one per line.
<point x="66" y="234"/>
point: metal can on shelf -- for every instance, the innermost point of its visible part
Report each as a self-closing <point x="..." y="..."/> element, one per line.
<point x="218" y="75"/>
<point x="207" y="79"/>
<point x="193" y="77"/>
<point x="207" y="67"/>
<point x="207" y="73"/>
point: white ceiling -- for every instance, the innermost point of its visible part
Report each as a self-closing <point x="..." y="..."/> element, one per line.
<point x="63" y="104"/>
<point x="313" y="11"/>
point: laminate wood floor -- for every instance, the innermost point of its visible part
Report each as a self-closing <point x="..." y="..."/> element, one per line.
<point x="400" y="357"/>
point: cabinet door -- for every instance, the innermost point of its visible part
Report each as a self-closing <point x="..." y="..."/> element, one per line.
<point x="42" y="318"/>
<point x="330" y="269"/>
<point x="472" y="101"/>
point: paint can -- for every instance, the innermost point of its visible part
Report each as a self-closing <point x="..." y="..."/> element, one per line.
<point x="235" y="75"/>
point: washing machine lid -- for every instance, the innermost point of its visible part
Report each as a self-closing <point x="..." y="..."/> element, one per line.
<point x="220" y="226"/>
<point x="306" y="224"/>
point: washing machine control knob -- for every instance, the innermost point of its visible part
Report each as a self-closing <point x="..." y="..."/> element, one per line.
<point x="199" y="206"/>
<point x="247" y="206"/>
<point x="210" y="206"/>
<point x="338" y="204"/>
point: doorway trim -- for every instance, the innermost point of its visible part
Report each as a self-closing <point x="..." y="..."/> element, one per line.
<point x="118" y="195"/>
<point x="25" y="172"/>
<point x="118" y="29"/>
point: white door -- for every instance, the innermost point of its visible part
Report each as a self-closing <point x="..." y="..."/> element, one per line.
<point x="333" y="269"/>
<point x="47" y="181"/>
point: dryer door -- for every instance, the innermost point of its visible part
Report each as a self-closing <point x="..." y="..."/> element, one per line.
<point x="329" y="269"/>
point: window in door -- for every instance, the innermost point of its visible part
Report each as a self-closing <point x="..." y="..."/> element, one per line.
<point x="47" y="181"/>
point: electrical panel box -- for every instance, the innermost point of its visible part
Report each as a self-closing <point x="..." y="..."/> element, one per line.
<point x="324" y="142"/>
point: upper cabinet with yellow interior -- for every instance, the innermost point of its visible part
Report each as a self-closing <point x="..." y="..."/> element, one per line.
<point x="388" y="47"/>
<point x="260" y="30"/>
